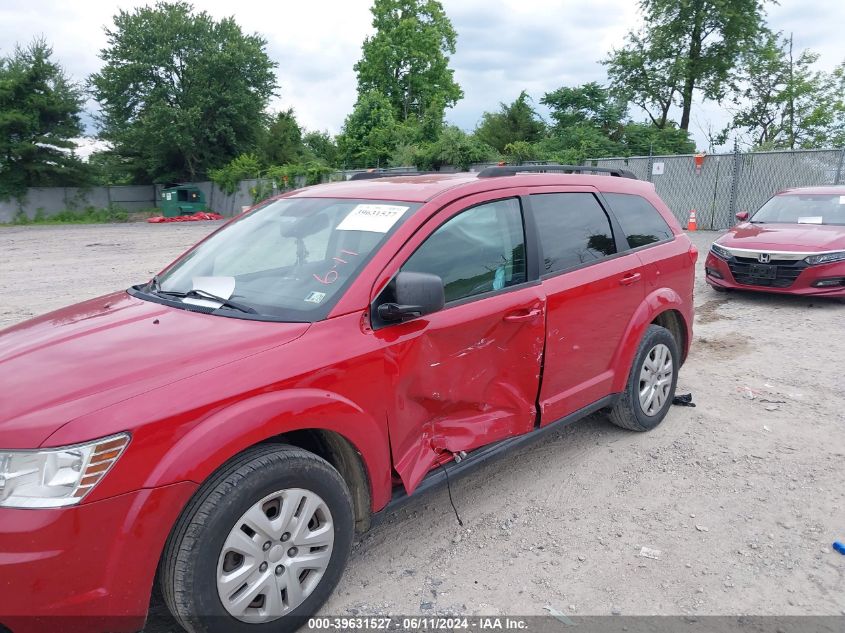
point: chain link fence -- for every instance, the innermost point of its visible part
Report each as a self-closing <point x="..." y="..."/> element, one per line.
<point x="725" y="184"/>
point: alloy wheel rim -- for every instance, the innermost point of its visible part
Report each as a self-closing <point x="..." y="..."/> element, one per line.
<point x="275" y="555"/>
<point x="655" y="379"/>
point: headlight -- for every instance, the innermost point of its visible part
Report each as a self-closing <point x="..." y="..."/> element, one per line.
<point x="826" y="258"/>
<point x="720" y="252"/>
<point x="56" y="477"/>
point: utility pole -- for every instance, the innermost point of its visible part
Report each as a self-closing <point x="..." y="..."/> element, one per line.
<point x="791" y="104"/>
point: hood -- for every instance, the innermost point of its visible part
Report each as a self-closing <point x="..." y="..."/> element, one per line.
<point x="94" y="354"/>
<point x="803" y="238"/>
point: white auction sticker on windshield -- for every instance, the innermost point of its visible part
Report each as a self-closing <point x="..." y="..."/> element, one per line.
<point x="315" y="297"/>
<point x="375" y="218"/>
<point x="812" y="219"/>
<point x="841" y="199"/>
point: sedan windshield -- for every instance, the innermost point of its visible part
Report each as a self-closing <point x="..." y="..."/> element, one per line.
<point x="288" y="260"/>
<point x="803" y="209"/>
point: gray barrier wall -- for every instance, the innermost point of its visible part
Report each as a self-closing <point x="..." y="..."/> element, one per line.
<point x="51" y="200"/>
<point x="725" y="184"/>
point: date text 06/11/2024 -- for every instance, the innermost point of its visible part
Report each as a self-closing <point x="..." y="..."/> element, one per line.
<point x="416" y="623"/>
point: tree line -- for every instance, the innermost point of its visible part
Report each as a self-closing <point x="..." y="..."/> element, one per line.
<point x="184" y="97"/>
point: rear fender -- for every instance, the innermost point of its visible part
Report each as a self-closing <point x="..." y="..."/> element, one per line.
<point x="229" y="431"/>
<point x="658" y="301"/>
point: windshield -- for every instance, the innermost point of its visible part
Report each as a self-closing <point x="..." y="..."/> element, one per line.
<point x="803" y="209"/>
<point x="288" y="260"/>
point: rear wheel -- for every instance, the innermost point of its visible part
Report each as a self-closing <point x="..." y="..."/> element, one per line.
<point x="651" y="384"/>
<point x="261" y="546"/>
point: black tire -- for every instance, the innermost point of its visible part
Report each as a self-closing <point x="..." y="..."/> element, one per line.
<point x="188" y="569"/>
<point x="627" y="412"/>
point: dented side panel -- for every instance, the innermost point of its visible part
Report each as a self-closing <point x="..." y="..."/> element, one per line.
<point x="588" y="313"/>
<point x="462" y="378"/>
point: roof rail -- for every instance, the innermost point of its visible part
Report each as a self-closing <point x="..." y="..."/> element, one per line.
<point x="369" y="175"/>
<point x="512" y="170"/>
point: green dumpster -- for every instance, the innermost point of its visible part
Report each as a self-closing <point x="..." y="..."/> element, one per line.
<point x="181" y="200"/>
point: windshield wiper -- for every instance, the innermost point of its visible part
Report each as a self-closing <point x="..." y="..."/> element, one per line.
<point x="202" y="294"/>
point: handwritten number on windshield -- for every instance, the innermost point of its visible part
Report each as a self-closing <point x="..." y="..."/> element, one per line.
<point x="331" y="276"/>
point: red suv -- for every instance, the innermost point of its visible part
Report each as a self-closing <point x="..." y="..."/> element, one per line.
<point x="225" y="428"/>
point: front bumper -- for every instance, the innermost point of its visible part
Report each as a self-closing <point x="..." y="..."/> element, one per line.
<point x="86" y="568"/>
<point x="718" y="273"/>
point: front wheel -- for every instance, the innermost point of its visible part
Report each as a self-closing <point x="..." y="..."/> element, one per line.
<point x="261" y="546"/>
<point x="651" y="384"/>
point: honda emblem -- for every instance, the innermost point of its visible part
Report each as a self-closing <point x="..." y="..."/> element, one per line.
<point x="764" y="258"/>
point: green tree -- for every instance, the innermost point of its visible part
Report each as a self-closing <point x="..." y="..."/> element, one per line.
<point x="281" y="142"/>
<point x="369" y="134"/>
<point x="243" y="167"/>
<point x="521" y="151"/>
<point x="407" y="59"/>
<point x="590" y="104"/>
<point x="576" y="144"/>
<point x="513" y="123"/>
<point x="646" y="77"/>
<point x="322" y="146"/>
<point x="781" y="102"/>
<point x="39" y="117"/>
<point x="459" y="149"/>
<point x="592" y="121"/>
<point x="107" y="168"/>
<point x="180" y="92"/>
<point x="640" y="139"/>
<point x="684" y="46"/>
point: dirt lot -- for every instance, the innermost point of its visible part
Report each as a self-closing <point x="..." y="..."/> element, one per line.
<point x="742" y="495"/>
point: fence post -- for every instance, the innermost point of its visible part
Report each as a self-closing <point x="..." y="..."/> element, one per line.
<point x="650" y="166"/>
<point x="839" y="167"/>
<point x="734" y="183"/>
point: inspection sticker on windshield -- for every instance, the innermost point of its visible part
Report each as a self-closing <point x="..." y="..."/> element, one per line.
<point x="375" y="218"/>
<point x="315" y="297"/>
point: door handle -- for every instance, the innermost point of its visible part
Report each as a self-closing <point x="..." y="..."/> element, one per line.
<point x="630" y="278"/>
<point x="516" y="317"/>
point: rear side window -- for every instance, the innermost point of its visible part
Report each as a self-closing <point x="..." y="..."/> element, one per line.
<point x="477" y="251"/>
<point x="574" y="230"/>
<point x="640" y="221"/>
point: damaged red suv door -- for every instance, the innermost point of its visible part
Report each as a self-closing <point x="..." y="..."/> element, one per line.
<point x="467" y="375"/>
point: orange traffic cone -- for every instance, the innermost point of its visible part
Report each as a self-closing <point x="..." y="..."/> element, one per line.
<point x="691" y="225"/>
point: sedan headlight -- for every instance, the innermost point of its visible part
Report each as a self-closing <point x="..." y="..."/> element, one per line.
<point x="56" y="477"/>
<point x="825" y="258"/>
<point x="721" y="253"/>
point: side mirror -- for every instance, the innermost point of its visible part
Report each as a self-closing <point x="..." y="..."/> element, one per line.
<point x="742" y="216"/>
<point x="416" y="294"/>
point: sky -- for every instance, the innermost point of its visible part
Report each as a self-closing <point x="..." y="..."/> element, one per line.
<point x="504" y="46"/>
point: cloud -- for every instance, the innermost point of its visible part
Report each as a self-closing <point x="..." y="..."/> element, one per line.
<point x="503" y="47"/>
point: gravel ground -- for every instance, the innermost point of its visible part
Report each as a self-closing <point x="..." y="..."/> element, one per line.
<point x="742" y="496"/>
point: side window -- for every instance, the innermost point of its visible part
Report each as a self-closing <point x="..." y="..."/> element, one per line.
<point x="574" y="230"/>
<point x="477" y="251"/>
<point x="640" y="221"/>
